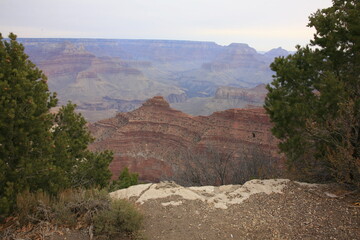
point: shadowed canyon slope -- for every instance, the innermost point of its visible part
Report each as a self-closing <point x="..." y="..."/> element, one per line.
<point x="104" y="76"/>
<point x="155" y="139"/>
<point x="224" y="98"/>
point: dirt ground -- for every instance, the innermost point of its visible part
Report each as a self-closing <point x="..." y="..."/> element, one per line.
<point x="295" y="211"/>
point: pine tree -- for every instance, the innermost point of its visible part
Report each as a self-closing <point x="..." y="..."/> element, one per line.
<point x="76" y="165"/>
<point x="25" y="142"/>
<point x="40" y="150"/>
<point x="125" y="180"/>
<point x="314" y="99"/>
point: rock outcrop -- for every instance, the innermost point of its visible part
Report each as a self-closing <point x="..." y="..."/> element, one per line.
<point x="154" y="139"/>
<point x="218" y="197"/>
<point x="251" y="95"/>
<point x="236" y="55"/>
<point x="258" y="209"/>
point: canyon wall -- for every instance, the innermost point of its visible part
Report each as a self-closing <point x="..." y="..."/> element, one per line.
<point x="154" y="139"/>
<point x="118" y="74"/>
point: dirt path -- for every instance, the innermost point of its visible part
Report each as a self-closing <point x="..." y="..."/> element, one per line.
<point x="258" y="210"/>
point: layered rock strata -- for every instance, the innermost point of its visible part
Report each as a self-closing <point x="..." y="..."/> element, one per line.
<point x="252" y="95"/>
<point x="154" y="139"/>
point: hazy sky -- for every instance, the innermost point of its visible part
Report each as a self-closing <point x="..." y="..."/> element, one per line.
<point x="263" y="24"/>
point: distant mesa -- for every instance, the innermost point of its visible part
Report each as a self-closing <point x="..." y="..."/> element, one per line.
<point x="157" y="101"/>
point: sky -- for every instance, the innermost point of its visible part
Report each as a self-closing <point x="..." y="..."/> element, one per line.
<point x="263" y="24"/>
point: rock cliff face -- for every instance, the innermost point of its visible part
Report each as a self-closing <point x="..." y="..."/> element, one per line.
<point x="89" y="80"/>
<point x="154" y="139"/>
<point x="236" y="55"/>
<point x="224" y="98"/>
<point x="252" y="95"/>
<point x="236" y="65"/>
<point x="176" y="98"/>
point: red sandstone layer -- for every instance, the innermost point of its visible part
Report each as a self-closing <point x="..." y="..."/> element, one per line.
<point x="152" y="140"/>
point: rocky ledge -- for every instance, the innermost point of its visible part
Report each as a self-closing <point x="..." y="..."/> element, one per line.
<point x="259" y="209"/>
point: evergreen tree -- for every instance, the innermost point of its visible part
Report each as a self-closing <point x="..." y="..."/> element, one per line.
<point x="25" y="142"/>
<point x="314" y="99"/>
<point x="40" y="150"/>
<point x="125" y="180"/>
<point x="76" y="165"/>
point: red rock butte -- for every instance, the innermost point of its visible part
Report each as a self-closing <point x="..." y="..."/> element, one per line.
<point x="152" y="139"/>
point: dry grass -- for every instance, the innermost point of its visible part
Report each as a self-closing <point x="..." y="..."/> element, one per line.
<point x="39" y="214"/>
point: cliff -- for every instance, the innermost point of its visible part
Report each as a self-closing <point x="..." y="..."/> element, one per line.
<point x="251" y="95"/>
<point x="155" y="139"/>
<point x="88" y="80"/>
<point x="236" y="55"/>
<point x="110" y="72"/>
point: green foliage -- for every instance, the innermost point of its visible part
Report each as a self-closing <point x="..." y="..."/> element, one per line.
<point x="314" y="91"/>
<point x="125" y="180"/>
<point x="24" y="122"/>
<point x="40" y="151"/>
<point x="121" y="218"/>
<point x="77" y="166"/>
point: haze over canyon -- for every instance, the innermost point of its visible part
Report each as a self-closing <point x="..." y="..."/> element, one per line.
<point x="104" y="76"/>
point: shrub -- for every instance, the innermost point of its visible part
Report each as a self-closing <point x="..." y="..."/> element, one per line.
<point x="125" y="180"/>
<point x="80" y="205"/>
<point x="34" y="207"/>
<point x="121" y="218"/>
<point x="78" y="208"/>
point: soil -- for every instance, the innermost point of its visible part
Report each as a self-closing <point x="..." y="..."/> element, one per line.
<point x="298" y="211"/>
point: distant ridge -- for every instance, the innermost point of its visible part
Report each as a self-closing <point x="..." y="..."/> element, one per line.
<point x="110" y="75"/>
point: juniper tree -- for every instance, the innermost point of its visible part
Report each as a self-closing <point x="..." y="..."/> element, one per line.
<point x="314" y="99"/>
<point x="76" y="165"/>
<point x="40" y="150"/>
<point x="25" y="142"/>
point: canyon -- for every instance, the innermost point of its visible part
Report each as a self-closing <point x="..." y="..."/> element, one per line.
<point x="105" y="76"/>
<point x="160" y="143"/>
<point x="206" y="119"/>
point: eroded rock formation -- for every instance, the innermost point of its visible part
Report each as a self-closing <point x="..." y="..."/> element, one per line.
<point x="252" y="95"/>
<point x="111" y="74"/>
<point x="155" y="139"/>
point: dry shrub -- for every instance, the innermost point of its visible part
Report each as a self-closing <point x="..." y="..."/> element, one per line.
<point x="34" y="207"/>
<point x="212" y="166"/>
<point x="81" y="204"/>
<point x="339" y="139"/>
<point x="80" y="208"/>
